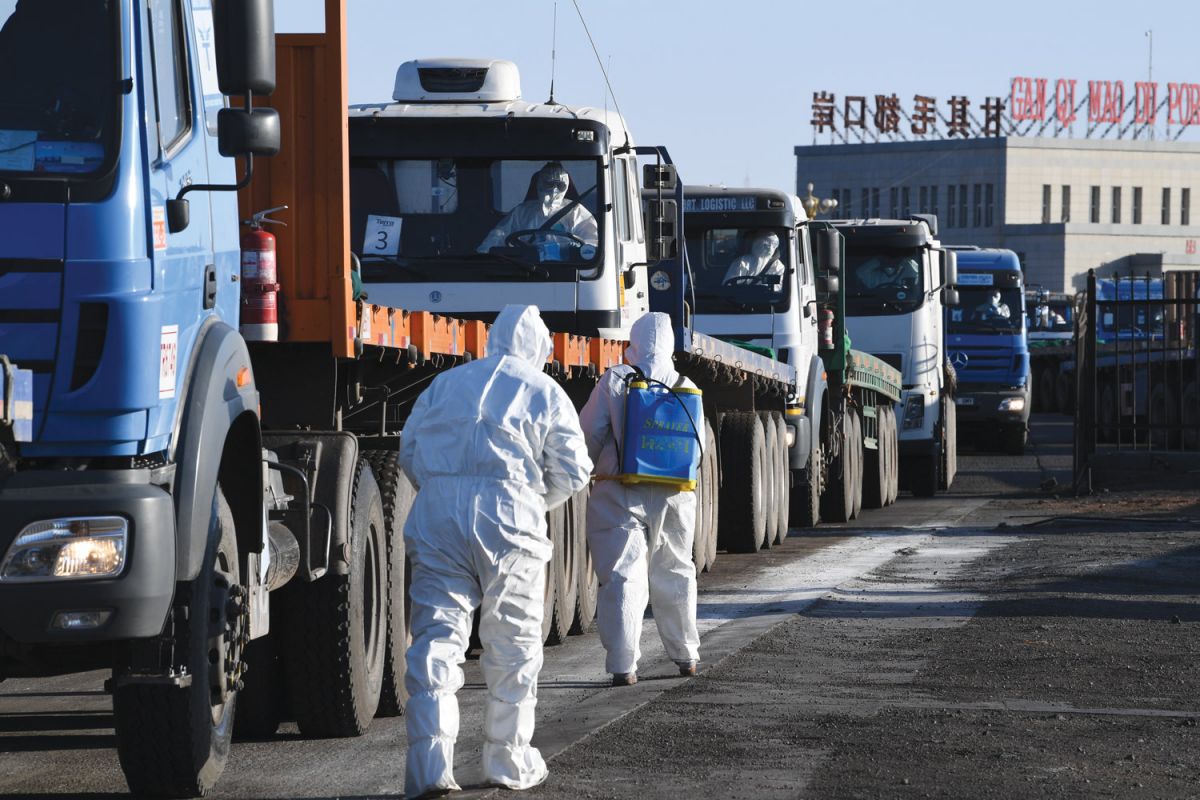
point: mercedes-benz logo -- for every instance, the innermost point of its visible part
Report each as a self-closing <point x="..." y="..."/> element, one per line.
<point x="959" y="359"/>
<point x="435" y="297"/>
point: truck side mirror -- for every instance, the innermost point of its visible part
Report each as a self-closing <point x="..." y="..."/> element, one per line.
<point x="827" y="250"/>
<point x="949" y="296"/>
<point x="949" y="268"/>
<point x="662" y="220"/>
<point x="244" y="34"/>
<point x="242" y="131"/>
<point x="660" y="177"/>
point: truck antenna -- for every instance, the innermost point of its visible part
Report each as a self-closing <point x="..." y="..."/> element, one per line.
<point x="553" y="52"/>
<point x="603" y="72"/>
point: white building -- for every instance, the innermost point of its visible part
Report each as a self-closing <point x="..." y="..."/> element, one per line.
<point x="1063" y="205"/>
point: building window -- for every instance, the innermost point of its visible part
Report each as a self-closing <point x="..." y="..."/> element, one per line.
<point x="1066" y="204"/>
<point x="1137" y="205"/>
<point x="1185" y="206"/>
<point x="933" y="203"/>
<point x="962" y="206"/>
<point x="1094" y="214"/>
<point x="1045" y="204"/>
<point x="1116" y="205"/>
<point x="905" y="205"/>
<point x="1166" y="207"/>
<point x="846" y="203"/>
<point x="924" y="199"/>
<point x="977" y="203"/>
<point x="865" y="196"/>
<point x="990" y="206"/>
<point x="950" y="217"/>
<point x="875" y="203"/>
<point x="894" y="204"/>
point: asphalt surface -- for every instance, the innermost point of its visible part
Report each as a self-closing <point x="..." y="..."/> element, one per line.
<point x="856" y="662"/>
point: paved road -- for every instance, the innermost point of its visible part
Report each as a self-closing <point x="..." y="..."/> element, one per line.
<point x="50" y="723"/>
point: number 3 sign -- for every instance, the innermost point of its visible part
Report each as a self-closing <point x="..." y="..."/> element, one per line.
<point x="383" y="236"/>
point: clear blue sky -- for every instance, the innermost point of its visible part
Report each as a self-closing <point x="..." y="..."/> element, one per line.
<point x="727" y="86"/>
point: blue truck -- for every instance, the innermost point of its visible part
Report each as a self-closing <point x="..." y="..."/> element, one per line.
<point x="989" y="349"/>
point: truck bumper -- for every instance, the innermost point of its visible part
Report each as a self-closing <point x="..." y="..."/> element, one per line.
<point x="138" y="598"/>
<point x="980" y="407"/>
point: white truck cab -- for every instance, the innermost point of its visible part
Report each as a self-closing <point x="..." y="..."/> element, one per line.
<point x="465" y="198"/>
<point x="898" y="278"/>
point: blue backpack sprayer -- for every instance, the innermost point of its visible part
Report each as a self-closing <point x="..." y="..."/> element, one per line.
<point x="662" y="442"/>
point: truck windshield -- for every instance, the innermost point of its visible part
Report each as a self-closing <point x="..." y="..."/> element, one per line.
<point x="58" y="85"/>
<point x="740" y="270"/>
<point x="883" y="280"/>
<point x="984" y="309"/>
<point x="471" y="219"/>
<point x="1052" y="317"/>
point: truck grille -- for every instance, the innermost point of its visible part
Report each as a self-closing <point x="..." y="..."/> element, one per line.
<point x="30" y="318"/>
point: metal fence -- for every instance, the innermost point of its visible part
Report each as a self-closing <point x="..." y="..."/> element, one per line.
<point x="1137" y="366"/>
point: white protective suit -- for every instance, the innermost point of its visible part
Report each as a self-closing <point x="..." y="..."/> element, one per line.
<point x="640" y="535"/>
<point x="491" y="445"/>
<point x="763" y="259"/>
<point x="552" y="183"/>
<point x="992" y="309"/>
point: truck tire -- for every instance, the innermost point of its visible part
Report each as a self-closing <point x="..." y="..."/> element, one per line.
<point x="771" y="482"/>
<point x="700" y="531"/>
<point x="923" y="475"/>
<point x="893" y="454"/>
<point x="173" y="741"/>
<point x="805" y="500"/>
<point x="857" y="446"/>
<point x="837" y="504"/>
<point x="398" y="496"/>
<point x="588" y="582"/>
<point x="784" y="477"/>
<point x="948" y="466"/>
<point x="335" y="635"/>
<point x="559" y="598"/>
<point x="743" y="518"/>
<point x="875" y="466"/>
<point x="262" y="701"/>
<point x="1064" y="393"/>
<point x="714" y="497"/>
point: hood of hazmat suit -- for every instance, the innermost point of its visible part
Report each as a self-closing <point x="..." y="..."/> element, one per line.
<point x="641" y="534"/>
<point x="763" y="259"/>
<point x="492" y="445"/>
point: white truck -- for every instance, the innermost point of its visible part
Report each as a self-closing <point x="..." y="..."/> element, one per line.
<point x="898" y="280"/>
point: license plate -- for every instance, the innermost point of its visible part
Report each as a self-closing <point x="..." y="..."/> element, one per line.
<point x="964" y="401"/>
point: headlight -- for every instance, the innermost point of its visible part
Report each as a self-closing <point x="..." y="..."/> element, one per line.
<point x="914" y="411"/>
<point x="1013" y="404"/>
<point x="70" y="547"/>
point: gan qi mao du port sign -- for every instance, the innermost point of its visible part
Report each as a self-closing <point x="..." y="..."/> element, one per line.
<point x="1033" y="107"/>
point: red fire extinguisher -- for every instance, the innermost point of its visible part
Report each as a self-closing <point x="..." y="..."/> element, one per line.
<point x="825" y="327"/>
<point x="260" y="312"/>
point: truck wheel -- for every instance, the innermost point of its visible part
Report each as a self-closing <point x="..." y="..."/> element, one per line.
<point x="560" y="600"/>
<point x="336" y="628"/>
<point x="805" y="500"/>
<point x="262" y="701"/>
<point x="173" y="741"/>
<point x="714" y="497"/>
<point x="893" y="454"/>
<point x="837" y="504"/>
<point x="1045" y="396"/>
<point x="858" y="449"/>
<point x="1064" y="393"/>
<point x="398" y="496"/>
<point x="588" y="583"/>
<point x="700" y="531"/>
<point x="784" y="476"/>
<point x="771" y="482"/>
<point x="875" y="466"/>
<point x="743" y="522"/>
<point x="949" y="461"/>
<point x="1014" y="440"/>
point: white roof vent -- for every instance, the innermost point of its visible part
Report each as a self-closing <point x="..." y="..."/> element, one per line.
<point x="457" y="80"/>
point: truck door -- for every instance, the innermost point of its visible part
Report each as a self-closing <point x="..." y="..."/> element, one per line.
<point x="184" y="273"/>
<point x="806" y="294"/>
<point x="630" y="239"/>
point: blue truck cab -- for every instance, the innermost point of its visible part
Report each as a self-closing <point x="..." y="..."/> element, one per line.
<point x="989" y="349"/>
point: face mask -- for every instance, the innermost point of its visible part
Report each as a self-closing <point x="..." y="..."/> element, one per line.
<point x="552" y="192"/>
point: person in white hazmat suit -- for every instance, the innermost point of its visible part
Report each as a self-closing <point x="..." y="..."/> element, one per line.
<point x="552" y="182"/>
<point x="640" y="535"/>
<point x="763" y="259"/>
<point x="491" y="446"/>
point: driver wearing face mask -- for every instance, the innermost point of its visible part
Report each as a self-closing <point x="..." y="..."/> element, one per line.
<point x="547" y="214"/>
<point x="763" y="259"/>
<point x="993" y="309"/>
